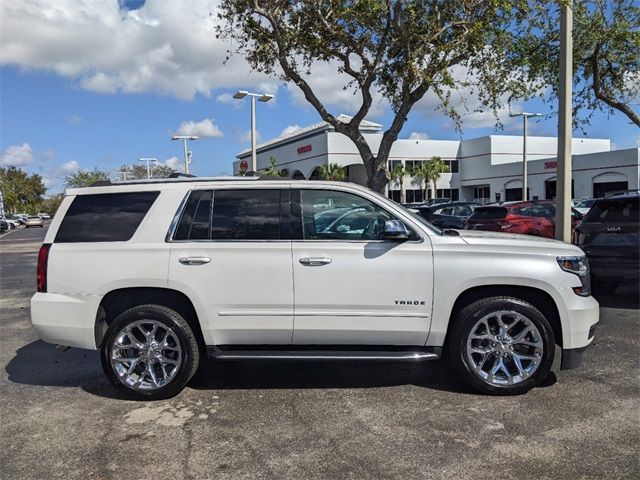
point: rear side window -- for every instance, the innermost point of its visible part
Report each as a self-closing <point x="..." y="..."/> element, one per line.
<point x="248" y="214"/>
<point x="615" y="211"/>
<point x="488" y="213"/>
<point x="105" y="217"/>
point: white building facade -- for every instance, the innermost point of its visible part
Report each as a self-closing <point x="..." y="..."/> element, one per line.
<point x="481" y="169"/>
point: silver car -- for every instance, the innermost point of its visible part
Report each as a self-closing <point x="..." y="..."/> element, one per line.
<point x="34" y="221"/>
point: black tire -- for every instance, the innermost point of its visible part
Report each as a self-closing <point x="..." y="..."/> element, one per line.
<point x="190" y="354"/>
<point x="461" y="328"/>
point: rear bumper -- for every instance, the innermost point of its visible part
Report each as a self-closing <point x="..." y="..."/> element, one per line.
<point x="614" y="268"/>
<point x="65" y="319"/>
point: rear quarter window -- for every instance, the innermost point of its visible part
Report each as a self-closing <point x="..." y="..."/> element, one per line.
<point x="489" y="213"/>
<point x="105" y="217"/>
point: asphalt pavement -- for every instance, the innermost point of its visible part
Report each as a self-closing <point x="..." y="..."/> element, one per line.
<point x="60" y="418"/>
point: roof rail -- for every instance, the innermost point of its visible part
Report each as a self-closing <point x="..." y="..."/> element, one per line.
<point x="177" y="179"/>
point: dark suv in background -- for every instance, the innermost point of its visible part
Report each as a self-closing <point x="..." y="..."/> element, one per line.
<point x="530" y="218"/>
<point x="610" y="236"/>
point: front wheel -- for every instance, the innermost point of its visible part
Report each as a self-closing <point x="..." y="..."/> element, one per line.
<point x="150" y="352"/>
<point x="501" y="345"/>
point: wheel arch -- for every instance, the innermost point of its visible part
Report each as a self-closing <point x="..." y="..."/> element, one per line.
<point x="535" y="296"/>
<point x="118" y="301"/>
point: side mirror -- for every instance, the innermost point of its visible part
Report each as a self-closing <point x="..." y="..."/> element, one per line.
<point x="395" y="230"/>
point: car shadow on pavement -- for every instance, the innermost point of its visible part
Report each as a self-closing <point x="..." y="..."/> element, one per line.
<point x="39" y="363"/>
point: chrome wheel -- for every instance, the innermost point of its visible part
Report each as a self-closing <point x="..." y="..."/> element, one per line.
<point x="146" y="355"/>
<point x="504" y="348"/>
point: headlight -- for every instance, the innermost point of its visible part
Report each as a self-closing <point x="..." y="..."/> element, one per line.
<point x="578" y="266"/>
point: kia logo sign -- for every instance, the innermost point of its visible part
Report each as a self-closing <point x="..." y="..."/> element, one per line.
<point x="549" y="165"/>
<point x="304" y="149"/>
<point x="244" y="165"/>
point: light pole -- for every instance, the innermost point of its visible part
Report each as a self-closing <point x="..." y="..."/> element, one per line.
<point x="565" y="101"/>
<point x="187" y="157"/>
<point x="148" y="160"/>
<point x="263" y="97"/>
<point x="525" y="183"/>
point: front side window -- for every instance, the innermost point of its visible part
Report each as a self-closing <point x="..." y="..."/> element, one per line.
<point x="243" y="214"/>
<point x="333" y="215"/>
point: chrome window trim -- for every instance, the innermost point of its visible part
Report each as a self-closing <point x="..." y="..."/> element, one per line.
<point x="176" y="218"/>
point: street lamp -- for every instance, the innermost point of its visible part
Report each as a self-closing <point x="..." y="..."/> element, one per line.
<point x="187" y="156"/>
<point x="525" y="116"/>
<point x="148" y="160"/>
<point x="263" y="97"/>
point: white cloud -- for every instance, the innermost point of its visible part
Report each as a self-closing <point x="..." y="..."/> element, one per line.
<point x="204" y="129"/>
<point x="75" y="119"/>
<point x="68" y="168"/>
<point x="175" y="163"/>
<point x="161" y="47"/>
<point x="419" y="136"/>
<point x="17" y="156"/>
<point x="290" y="129"/>
<point x="226" y="98"/>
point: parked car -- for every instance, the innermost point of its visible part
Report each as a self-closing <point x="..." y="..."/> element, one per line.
<point x="583" y="206"/>
<point x="535" y="218"/>
<point x="44" y="216"/>
<point x="158" y="274"/>
<point x="448" y="215"/>
<point x="4" y="225"/>
<point x="34" y="221"/>
<point x="610" y="236"/>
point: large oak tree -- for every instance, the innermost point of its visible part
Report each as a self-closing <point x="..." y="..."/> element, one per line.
<point x="402" y="49"/>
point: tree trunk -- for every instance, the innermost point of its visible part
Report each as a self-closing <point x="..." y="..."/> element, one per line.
<point x="402" y="190"/>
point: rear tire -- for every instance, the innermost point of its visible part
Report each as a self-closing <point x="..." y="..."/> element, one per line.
<point x="150" y="352"/>
<point x="501" y="360"/>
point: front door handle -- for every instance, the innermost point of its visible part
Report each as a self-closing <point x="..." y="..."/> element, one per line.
<point x="315" y="261"/>
<point x="194" y="260"/>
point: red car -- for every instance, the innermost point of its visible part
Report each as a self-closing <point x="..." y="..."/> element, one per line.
<point x="530" y="218"/>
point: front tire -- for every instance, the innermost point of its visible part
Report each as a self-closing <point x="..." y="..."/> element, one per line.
<point x="150" y="352"/>
<point x="501" y="346"/>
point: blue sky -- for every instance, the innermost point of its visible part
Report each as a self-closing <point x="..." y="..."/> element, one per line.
<point x="90" y="84"/>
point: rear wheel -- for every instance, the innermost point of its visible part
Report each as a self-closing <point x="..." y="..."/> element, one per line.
<point x="501" y="345"/>
<point x="150" y="352"/>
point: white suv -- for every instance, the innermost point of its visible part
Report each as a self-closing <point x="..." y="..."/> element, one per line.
<point x="158" y="274"/>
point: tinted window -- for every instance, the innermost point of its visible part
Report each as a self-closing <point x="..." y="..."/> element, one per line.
<point x="612" y="211"/>
<point x="246" y="215"/>
<point x="536" y="210"/>
<point x="107" y="217"/>
<point x="332" y="215"/>
<point x="488" y="213"/>
<point x="235" y="215"/>
<point x="195" y="222"/>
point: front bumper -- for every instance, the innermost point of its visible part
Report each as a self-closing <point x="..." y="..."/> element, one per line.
<point x="578" y="327"/>
<point x="65" y="319"/>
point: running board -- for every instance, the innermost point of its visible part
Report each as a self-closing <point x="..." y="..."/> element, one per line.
<point x="319" y="352"/>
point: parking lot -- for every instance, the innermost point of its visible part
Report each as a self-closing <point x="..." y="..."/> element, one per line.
<point x="60" y="418"/>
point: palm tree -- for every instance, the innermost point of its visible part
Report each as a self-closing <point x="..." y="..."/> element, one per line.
<point x="333" y="172"/>
<point x="272" y="170"/>
<point x="423" y="171"/>
<point x="397" y="174"/>
<point x="436" y="166"/>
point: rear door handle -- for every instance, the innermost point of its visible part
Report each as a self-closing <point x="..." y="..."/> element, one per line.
<point x="315" y="261"/>
<point x="194" y="260"/>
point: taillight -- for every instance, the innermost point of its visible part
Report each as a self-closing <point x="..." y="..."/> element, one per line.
<point x="41" y="271"/>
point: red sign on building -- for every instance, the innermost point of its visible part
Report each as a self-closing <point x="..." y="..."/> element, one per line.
<point x="304" y="149"/>
<point x="550" y="165"/>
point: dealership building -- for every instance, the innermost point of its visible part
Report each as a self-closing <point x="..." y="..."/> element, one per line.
<point x="481" y="169"/>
